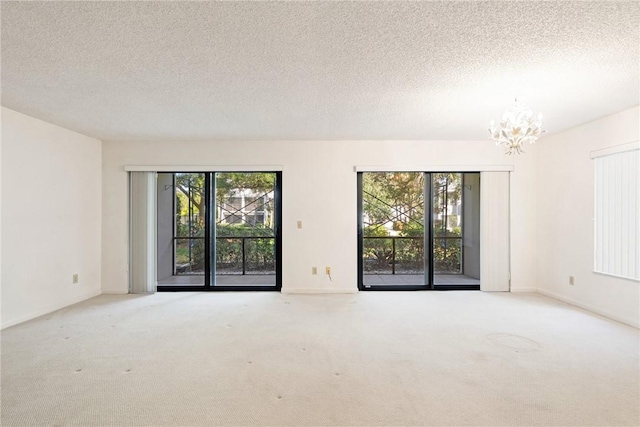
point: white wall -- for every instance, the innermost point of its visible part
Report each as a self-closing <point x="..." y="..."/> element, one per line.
<point x="565" y="218"/>
<point x="51" y="217"/>
<point x="319" y="188"/>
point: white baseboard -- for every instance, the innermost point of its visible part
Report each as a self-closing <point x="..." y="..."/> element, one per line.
<point x="524" y="290"/>
<point x="50" y="308"/>
<point x="114" y="292"/>
<point x="627" y="321"/>
<point x="318" y="291"/>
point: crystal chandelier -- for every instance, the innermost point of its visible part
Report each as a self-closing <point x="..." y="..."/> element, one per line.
<point x="516" y="127"/>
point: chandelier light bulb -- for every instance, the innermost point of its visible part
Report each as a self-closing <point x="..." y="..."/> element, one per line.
<point x="516" y="128"/>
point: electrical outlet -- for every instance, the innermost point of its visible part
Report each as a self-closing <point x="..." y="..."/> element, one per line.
<point x="75" y="278"/>
<point x="327" y="271"/>
<point x="299" y="224"/>
<point x="571" y="280"/>
<point x="314" y="270"/>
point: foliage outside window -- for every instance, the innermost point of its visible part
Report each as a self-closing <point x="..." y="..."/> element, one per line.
<point x="393" y="222"/>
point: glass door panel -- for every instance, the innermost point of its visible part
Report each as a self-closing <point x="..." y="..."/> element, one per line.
<point x="392" y="229"/>
<point x="456" y="229"/>
<point x="181" y="214"/>
<point x="245" y="229"/>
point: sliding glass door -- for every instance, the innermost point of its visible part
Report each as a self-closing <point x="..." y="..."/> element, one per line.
<point x="418" y="230"/>
<point x="219" y="231"/>
<point x="246" y="230"/>
<point x="392" y="232"/>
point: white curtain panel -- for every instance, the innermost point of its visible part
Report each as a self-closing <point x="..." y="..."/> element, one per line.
<point x="142" y="233"/>
<point x="495" y="274"/>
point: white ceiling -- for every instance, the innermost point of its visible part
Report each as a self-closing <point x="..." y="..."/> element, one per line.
<point x="315" y="70"/>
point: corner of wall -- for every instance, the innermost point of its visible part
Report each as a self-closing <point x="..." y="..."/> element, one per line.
<point x="564" y="218"/>
<point x="64" y="220"/>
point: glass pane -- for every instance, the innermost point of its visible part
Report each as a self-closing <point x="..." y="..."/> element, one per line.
<point x="377" y="255"/>
<point x="447" y="255"/>
<point x="245" y="228"/>
<point x="456" y="207"/>
<point x="228" y="255"/>
<point x="447" y="231"/>
<point x="189" y="204"/>
<point x="410" y="255"/>
<point x="189" y="256"/>
<point x="180" y="216"/>
<point x="393" y="228"/>
<point x="260" y="256"/>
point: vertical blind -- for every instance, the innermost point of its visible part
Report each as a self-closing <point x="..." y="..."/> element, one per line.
<point x="142" y="233"/>
<point x="617" y="199"/>
<point x="495" y="266"/>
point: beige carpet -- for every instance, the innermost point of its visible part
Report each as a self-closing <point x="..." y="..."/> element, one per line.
<point x="412" y="358"/>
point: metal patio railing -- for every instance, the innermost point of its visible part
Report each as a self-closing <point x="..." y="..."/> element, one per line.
<point x="405" y="254"/>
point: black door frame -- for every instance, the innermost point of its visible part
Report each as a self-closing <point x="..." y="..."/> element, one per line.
<point x="209" y="248"/>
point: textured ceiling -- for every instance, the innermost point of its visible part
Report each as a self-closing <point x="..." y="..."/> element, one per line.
<point x="315" y="70"/>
